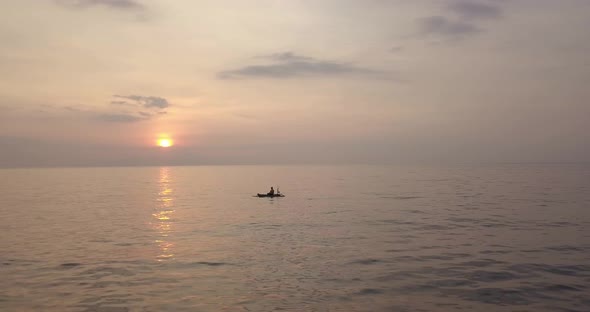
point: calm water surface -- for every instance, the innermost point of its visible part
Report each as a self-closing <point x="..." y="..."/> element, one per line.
<point x="360" y="238"/>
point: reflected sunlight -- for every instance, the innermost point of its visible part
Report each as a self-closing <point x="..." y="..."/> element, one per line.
<point x="163" y="215"/>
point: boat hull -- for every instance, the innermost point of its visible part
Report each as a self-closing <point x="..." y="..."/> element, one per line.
<point x="266" y="195"/>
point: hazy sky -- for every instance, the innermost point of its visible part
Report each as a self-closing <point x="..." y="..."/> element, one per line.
<point x="96" y="82"/>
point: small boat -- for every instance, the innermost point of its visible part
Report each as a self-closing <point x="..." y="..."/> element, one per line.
<point x="277" y="194"/>
<point x="267" y="195"/>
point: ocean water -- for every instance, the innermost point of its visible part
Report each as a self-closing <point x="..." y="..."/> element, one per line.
<point x="356" y="238"/>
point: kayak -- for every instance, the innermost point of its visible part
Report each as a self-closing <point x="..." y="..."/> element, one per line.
<point x="266" y="195"/>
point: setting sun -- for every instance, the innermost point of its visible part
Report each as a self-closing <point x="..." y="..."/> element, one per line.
<point x="165" y="142"/>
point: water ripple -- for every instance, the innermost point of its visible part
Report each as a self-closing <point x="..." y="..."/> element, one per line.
<point x="374" y="239"/>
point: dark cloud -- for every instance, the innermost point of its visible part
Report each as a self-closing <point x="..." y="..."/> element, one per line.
<point x="475" y="10"/>
<point x="289" y="65"/>
<point x="144" y="101"/>
<point x="115" y="4"/>
<point x="119" y="117"/>
<point x="443" y="27"/>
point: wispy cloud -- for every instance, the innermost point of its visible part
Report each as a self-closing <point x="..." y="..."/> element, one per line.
<point x="290" y="65"/>
<point x="443" y="27"/>
<point x="125" y="109"/>
<point x="144" y="101"/>
<point x="396" y="49"/>
<point x="134" y="108"/>
<point x="475" y="10"/>
<point x="459" y="20"/>
<point x="287" y="57"/>
<point x="114" y="4"/>
<point x="72" y="108"/>
<point x="119" y="117"/>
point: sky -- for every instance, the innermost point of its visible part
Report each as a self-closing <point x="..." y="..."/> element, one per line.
<point x="98" y="82"/>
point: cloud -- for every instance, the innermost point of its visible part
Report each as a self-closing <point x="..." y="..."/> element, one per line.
<point x="396" y="49"/>
<point x="119" y="117"/>
<point x="461" y="19"/>
<point x="290" y="65"/>
<point x="144" y="101"/>
<point x="72" y="108"/>
<point x="443" y="27"/>
<point x="126" y="109"/>
<point x="292" y="69"/>
<point x="287" y="57"/>
<point x="475" y="10"/>
<point x="114" y="4"/>
<point x="123" y="103"/>
<point x="134" y="108"/>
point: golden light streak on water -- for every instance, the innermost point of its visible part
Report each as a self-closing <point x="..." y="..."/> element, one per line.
<point x="163" y="215"/>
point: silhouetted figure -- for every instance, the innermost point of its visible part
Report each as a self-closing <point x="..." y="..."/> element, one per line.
<point x="272" y="191"/>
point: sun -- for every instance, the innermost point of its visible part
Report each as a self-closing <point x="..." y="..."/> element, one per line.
<point x="165" y="142"/>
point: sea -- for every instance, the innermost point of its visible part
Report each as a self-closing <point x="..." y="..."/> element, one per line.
<point x="494" y="237"/>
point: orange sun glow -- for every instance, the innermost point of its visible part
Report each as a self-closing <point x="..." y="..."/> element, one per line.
<point x="165" y="142"/>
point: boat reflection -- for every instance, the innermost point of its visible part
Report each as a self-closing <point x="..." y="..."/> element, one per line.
<point x="164" y="211"/>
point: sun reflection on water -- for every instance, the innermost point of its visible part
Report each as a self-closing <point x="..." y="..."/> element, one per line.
<point x="163" y="215"/>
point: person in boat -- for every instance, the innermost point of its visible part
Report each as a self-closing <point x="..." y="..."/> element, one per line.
<point x="272" y="191"/>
